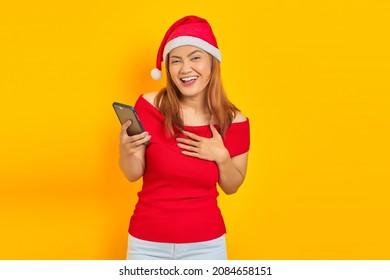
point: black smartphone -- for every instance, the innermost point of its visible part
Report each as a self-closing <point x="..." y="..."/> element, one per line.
<point x="125" y="113"/>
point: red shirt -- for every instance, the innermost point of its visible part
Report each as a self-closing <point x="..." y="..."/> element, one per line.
<point x="178" y="200"/>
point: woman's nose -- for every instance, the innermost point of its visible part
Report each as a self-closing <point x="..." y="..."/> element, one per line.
<point x="186" y="68"/>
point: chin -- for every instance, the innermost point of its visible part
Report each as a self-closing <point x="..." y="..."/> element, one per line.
<point x="191" y="92"/>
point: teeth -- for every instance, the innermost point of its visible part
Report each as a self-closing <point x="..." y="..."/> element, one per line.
<point x="187" y="79"/>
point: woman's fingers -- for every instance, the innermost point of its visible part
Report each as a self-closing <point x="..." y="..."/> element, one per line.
<point x="124" y="128"/>
<point x="192" y="135"/>
<point x="188" y="147"/>
<point x="136" y="139"/>
<point x="187" y="141"/>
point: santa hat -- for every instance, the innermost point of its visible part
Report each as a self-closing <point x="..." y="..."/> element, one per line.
<point x="190" y="30"/>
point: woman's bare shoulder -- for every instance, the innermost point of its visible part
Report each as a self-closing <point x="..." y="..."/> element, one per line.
<point x="239" y="118"/>
<point x="150" y="97"/>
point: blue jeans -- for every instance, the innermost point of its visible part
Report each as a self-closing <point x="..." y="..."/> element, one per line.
<point x="214" y="249"/>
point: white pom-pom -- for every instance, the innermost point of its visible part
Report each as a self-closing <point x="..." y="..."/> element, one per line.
<point x="156" y="74"/>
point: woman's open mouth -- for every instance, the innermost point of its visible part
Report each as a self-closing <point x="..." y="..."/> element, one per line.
<point x="187" y="81"/>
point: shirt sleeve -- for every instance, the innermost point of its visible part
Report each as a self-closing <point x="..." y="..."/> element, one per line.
<point x="237" y="138"/>
<point x="150" y="117"/>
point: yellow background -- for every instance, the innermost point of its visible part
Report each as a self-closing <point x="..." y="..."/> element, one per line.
<point x="312" y="76"/>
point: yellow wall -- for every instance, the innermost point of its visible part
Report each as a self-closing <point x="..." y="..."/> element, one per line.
<point x="312" y="76"/>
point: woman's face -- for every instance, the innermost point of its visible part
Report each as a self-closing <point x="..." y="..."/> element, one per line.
<point x="190" y="69"/>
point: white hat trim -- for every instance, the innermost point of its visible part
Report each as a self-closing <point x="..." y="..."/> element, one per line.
<point x="192" y="41"/>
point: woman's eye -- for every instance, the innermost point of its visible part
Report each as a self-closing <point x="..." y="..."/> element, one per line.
<point x="175" y="61"/>
<point x="195" y="58"/>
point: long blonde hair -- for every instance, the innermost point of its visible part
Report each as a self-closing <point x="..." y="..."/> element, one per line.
<point x="219" y="106"/>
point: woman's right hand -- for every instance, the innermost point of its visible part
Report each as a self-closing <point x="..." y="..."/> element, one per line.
<point x="129" y="145"/>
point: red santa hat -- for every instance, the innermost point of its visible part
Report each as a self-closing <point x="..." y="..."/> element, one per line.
<point x="190" y="30"/>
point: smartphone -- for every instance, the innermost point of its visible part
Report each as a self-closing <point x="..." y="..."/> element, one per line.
<point x="125" y="113"/>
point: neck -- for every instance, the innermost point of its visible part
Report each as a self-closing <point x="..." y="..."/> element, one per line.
<point x="195" y="105"/>
<point x="195" y="111"/>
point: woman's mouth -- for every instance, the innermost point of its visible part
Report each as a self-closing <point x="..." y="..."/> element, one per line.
<point x="187" y="81"/>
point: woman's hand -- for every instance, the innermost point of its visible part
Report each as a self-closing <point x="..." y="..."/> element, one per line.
<point x="211" y="149"/>
<point x="129" y="145"/>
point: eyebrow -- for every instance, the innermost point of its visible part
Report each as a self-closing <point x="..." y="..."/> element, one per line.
<point x="195" y="51"/>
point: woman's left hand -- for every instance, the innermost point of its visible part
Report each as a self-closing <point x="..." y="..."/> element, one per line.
<point x="211" y="149"/>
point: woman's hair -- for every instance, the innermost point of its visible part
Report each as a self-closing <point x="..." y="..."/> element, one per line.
<point x="221" y="109"/>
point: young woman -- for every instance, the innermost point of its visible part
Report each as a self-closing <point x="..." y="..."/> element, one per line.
<point x="197" y="139"/>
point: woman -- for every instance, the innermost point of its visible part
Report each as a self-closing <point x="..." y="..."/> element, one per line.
<point x="197" y="139"/>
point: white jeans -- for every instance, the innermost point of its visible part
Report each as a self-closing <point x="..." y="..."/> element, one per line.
<point x="214" y="249"/>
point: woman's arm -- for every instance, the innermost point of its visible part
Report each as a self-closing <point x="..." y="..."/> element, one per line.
<point x="132" y="153"/>
<point x="232" y="172"/>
